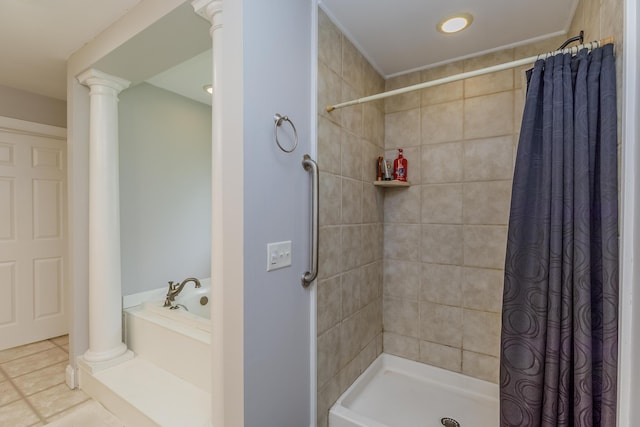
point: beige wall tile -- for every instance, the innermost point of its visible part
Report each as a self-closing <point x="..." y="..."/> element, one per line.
<point x="488" y="115"/>
<point x="351" y="246"/>
<point x="402" y="242"/>
<point x="351" y="116"/>
<point x="372" y="238"/>
<point x="329" y="146"/>
<point x="330" y="206"/>
<point x="402" y="346"/>
<point x="371" y="288"/>
<point x="352" y="67"/>
<point x="481" y="366"/>
<point x="441" y="284"/>
<point x="400" y="316"/>
<point x="327" y="396"/>
<point x="487" y="202"/>
<point x="373" y="122"/>
<point x="485" y="246"/>
<point x="402" y="129"/>
<point x="329" y="303"/>
<point x="488" y="60"/>
<point x="329" y="93"/>
<point x="372" y="204"/>
<point x="329" y="43"/>
<point x="442" y="93"/>
<point x="481" y="332"/>
<point x="482" y="289"/>
<point x="352" y="149"/>
<point x="442" y="122"/>
<point x="351" y="333"/>
<point x="519" y="98"/>
<point x="442" y="204"/>
<point x="442" y="244"/>
<point x="351" y="201"/>
<point x="488" y="159"/>
<point x="369" y="162"/>
<point x="535" y="48"/>
<point x="329" y="349"/>
<point x="442" y="163"/>
<point x="402" y="205"/>
<point x="488" y="83"/>
<point x="348" y="374"/>
<point x="441" y="356"/>
<point x="402" y="279"/>
<point x="329" y="251"/>
<point x="368" y="355"/>
<point x="441" y="324"/>
<point x="441" y="71"/>
<point x="406" y="101"/>
<point x="351" y="282"/>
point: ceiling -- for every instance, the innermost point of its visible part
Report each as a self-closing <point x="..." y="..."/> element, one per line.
<point x="38" y="36"/>
<point x="400" y="36"/>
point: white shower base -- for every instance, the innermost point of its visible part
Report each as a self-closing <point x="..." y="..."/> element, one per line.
<point x="396" y="392"/>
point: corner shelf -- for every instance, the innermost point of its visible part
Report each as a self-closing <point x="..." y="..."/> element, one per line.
<point x="392" y="184"/>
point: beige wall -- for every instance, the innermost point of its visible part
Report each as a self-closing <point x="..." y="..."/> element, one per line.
<point x="445" y="237"/>
<point x="30" y="107"/>
<point x="350" y="256"/>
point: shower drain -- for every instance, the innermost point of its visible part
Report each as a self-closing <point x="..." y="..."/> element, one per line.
<point x="449" y="422"/>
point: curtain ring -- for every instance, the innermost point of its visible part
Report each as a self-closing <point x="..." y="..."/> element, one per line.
<point x="278" y="121"/>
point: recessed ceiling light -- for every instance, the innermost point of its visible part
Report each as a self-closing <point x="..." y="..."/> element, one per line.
<point x="208" y="89"/>
<point x="455" y="23"/>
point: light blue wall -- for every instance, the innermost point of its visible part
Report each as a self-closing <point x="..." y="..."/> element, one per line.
<point x="165" y="188"/>
<point x="277" y="79"/>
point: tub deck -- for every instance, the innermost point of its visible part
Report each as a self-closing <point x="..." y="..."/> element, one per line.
<point x="396" y="392"/>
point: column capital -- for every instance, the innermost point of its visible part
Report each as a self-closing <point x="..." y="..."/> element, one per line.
<point x="93" y="77"/>
<point x="208" y="9"/>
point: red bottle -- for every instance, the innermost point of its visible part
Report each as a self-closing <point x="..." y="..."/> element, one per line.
<point x="400" y="167"/>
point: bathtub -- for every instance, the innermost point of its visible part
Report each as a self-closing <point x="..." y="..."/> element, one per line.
<point x="177" y="341"/>
<point x="396" y="392"/>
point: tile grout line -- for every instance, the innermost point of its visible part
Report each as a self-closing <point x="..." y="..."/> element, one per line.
<point x="19" y="391"/>
<point x="23" y="397"/>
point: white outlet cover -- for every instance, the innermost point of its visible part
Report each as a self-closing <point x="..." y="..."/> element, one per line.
<point x="278" y="255"/>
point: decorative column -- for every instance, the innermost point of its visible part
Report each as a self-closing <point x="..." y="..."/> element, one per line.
<point x="105" y="289"/>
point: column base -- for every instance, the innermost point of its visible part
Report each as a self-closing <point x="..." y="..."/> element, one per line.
<point x="92" y="366"/>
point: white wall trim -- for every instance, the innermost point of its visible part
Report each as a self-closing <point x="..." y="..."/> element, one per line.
<point x="31" y="128"/>
<point x="629" y="239"/>
<point x="313" y="294"/>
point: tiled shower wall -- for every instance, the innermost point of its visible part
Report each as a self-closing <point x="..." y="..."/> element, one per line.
<point x="445" y="237"/>
<point x="351" y="214"/>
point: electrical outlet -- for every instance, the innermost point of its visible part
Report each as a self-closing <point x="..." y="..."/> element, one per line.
<point x="278" y="255"/>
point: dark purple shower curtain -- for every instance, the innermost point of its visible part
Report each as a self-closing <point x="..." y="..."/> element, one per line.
<point x="558" y="364"/>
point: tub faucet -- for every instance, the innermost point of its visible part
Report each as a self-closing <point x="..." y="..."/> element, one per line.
<point x="175" y="289"/>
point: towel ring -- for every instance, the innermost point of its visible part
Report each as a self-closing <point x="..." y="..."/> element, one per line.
<point x="278" y="121"/>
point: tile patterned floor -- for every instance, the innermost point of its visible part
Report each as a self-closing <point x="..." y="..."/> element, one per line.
<point x="32" y="384"/>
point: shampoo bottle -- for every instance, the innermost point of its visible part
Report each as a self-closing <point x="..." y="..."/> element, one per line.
<point x="400" y="167"/>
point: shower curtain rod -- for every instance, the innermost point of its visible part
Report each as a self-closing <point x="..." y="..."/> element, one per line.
<point x="468" y="74"/>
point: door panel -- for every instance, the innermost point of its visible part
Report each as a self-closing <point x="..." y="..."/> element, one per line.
<point x="32" y="238"/>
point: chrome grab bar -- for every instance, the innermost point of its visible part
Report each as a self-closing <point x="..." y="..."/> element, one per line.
<point x="309" y="164"/>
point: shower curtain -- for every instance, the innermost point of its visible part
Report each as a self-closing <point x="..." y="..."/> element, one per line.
<point x="558" y="362"/>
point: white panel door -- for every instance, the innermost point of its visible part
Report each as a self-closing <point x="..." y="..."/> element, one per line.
<point x="32" y="238"/>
